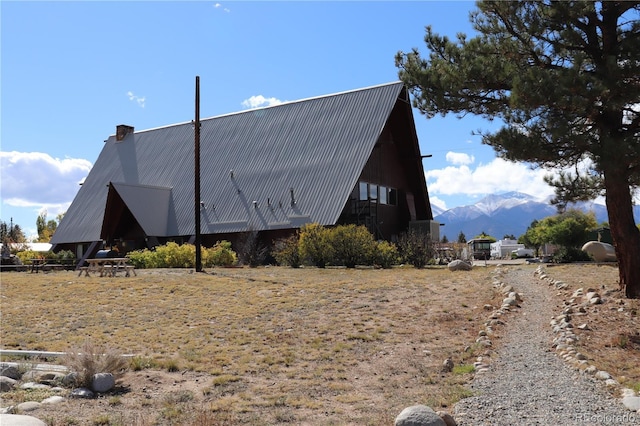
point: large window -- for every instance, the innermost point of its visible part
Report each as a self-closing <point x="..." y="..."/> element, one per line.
<point x="377" y="193"/>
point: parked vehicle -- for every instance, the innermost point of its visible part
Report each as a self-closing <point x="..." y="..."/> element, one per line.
<point x="522" y="252"/>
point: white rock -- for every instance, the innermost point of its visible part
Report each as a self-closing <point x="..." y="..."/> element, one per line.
<point x="28" y="406"/>
<point x="459" y="265"/>
<point x="56" y="399"/>
<point x="603" y="375"/>
<point x="20" y="420"/>
<point x="419" y="415"/>
<point x="632" y="402"/>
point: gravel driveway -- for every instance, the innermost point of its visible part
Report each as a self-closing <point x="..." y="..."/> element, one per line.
<point x="527" y="384"/>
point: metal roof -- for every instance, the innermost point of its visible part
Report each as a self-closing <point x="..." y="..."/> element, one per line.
<point x="268" y="168"/>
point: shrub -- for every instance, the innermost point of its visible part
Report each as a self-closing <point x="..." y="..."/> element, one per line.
<point x="386" y="254"/>
<point x="25" y="256"/>
<point x="352" y="245"/>
<point x="286" y="252"/>
<point x="416" y="248"/>
<point x="315" y="245"/>
<point x="173" y="255"/>
<point x="220" y="254"/>
<point x="251" y="250"/>
<point x="570" y="254"/>
<point x="89" y="360"/>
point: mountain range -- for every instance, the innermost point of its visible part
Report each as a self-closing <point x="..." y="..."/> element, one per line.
<point x="510" y="213"/>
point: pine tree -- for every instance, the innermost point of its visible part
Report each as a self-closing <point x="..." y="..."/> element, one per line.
<point x="564" y="78"/>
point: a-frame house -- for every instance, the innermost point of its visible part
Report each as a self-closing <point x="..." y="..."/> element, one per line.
<point x="350" y="157"/>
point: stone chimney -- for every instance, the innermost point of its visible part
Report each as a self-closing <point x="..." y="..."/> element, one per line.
<point x="122" y="130"/>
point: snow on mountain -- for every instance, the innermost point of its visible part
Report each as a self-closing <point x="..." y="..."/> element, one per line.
<point x="437" y="211"/>
<point x="492" y="203"/>
<point x="506" y="214"/>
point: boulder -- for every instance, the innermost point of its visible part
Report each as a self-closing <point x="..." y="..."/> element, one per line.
<point x="601" y="252"/>
<point x="632" y="403"/>
<point x="459" y="265"/>
<point x="103" y="382"/>
<point x="20" y="420"/>
<point x="419" y="415"/>
<point x="7" y="383"/>
<point x="28" y="406"/>
<point x="10" y="371"/>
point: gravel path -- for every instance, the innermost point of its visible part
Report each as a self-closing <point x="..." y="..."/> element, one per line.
<point x="527" y="384"/>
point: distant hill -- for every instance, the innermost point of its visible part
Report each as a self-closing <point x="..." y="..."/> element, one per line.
<point x="510" y="213"/>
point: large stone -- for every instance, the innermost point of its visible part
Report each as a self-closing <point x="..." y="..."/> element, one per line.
<point x="7" y="383"/>
<point x="419" y="415"/>
<point x="28" y="406"/>
<point x="632" y="402"/>
<point x="459" y="265"/>
<point x="103" y="382"/>
<point x="601" y="252"/>
<point x="10" y="371"/>
<point x="51" y="378"/>
<point x="20" y="420"/>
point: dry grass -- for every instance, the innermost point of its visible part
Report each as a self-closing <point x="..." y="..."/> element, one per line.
<point x="265" y="345"/>
<point x="87" y="360"/>
<point x="612" y="339"/>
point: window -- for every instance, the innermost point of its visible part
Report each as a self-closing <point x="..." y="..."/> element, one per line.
<point x="383" y="195"/>
<point x="364" y="191"/>
<point x="393" y="196"/>
<point x="373" y="192"/>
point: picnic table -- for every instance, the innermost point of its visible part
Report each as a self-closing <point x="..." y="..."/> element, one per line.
<point x="37" y="265"/>
<point x="108" y="266"/>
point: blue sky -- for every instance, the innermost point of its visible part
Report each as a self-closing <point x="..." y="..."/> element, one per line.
<point x="72" y="71"/>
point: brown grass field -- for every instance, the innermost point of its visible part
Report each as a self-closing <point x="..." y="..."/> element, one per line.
<point x="280" y="345"/>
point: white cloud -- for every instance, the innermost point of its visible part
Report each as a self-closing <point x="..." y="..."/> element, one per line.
<point x="219" y="6"/>
<point x="497" y="176"/>
<point x="459" y="158"/>
<point x="260" y="101"/>
<point x="137" y="99"/>
<point x="437" y="202"/>
<point x="37" y="180"/>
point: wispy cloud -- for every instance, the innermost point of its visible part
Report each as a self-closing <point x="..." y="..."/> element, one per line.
<point x="221" y="7"/>
<point x="138" y="99"/>
<point x="459" y="158"/>
<point x="260" y="101"/>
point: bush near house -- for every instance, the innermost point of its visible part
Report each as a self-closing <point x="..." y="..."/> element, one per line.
<point x="416" y="248"/>
<point x="352" y="245"/>
<point x="343" y="245"/>
<point x="173" y="255"/>
<point x="26" y="255"/>
<point x="315" y="245"/>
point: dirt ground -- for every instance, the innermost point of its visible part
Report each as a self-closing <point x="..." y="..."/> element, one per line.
<point x="284" y="346"/>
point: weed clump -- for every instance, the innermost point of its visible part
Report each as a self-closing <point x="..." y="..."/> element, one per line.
<point x="89" y="360"/>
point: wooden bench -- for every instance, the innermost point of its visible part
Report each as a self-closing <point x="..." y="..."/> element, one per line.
<point x="129" y="269"/>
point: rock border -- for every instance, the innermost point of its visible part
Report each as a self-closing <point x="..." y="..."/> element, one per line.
<point x="564" y="342"/>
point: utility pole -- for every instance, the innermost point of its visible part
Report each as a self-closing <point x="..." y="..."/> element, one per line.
<point x="197" y="179"/>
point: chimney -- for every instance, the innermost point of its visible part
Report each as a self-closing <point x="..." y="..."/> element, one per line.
<point x="122" y="130"/>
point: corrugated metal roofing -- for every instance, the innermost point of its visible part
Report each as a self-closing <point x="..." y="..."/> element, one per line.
<point x="268" y="168"/>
